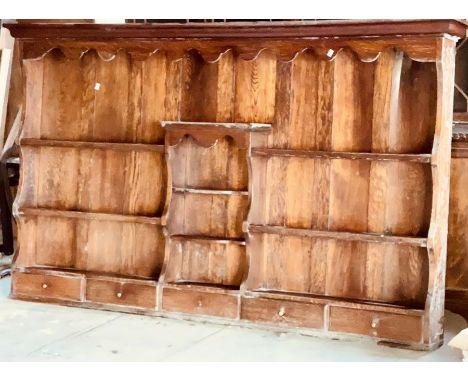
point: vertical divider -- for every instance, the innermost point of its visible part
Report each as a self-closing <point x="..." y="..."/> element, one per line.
<point x="440" y="162"/>
<point x="172" y="106"/>
<point x="255" y="140"/>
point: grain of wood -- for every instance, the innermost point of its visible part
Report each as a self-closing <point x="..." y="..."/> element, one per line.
<point x="152" y="158"/>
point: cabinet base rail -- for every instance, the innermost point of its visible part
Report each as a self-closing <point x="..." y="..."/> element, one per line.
<point x="316" y="316"/>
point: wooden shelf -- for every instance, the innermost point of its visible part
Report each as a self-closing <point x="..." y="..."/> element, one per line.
<point x="219" y="240"/>
<point x="215" y="126"/>
<point x="265" y="152"/>
<point x="89" y="215"/>
<point x="209" y="192"/>
<point x="91" y="145"/>
<point x="348" y="236"/>
<point x="204" y="285"/>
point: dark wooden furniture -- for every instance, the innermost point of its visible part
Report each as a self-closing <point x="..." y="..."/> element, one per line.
<point x="293" y="175"/>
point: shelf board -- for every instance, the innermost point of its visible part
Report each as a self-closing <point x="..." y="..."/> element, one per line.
<point x="208" y="191"/>
<point x="89" y="215"/>
<point x="215" y="126"/>
<point x="266" y="152"/>
<point x="91" y="145"/>
<point x="198" y="284"/>
<point x="219" y="240"/>
<point x="348" y="236"/>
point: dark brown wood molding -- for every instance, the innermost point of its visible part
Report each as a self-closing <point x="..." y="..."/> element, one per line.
<point x="344" y="28"/>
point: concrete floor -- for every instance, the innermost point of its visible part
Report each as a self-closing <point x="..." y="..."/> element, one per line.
<point x="42" y="332"/>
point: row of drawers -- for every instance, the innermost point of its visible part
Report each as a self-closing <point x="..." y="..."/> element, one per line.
<point x="140" y="294"/>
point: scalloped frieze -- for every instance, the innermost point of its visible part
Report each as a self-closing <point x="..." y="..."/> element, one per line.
<point x="205" y="141"/>
<point x="368" y="50"/>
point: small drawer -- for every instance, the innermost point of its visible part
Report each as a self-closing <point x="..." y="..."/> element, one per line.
<point x="45" y="285"/>
<point x="188" y="300"/>
<point x="131" y="293"/>
<point x="392" y="326"/>
<point x="281" y="312"/>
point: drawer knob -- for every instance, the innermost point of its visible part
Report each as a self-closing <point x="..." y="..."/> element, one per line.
<point x="44" y="286"/>
<point x="375" y="323"/>
<point x="282" y="312"/>
<point x="119" y="294"/>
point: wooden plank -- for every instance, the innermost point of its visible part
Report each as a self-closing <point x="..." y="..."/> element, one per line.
<point x="437" y="238"/>
<point x="349" y="195"/>
<point x="88" y="180"/>
<point x="223" y="218"/>
<point x="152" y="104"/>
<point x="352" y="103"/>
<point x="34" y="74"/>
<point x="312" y="103"/>
<point x="111" y="98"/>
<point x="200" y="80"/>
<point x="339" y="235"/>
<point x="55" y="245"/>
<point x="33" y="142"/>
<point x="349" y="179"/>
<point x="255" y="89"/>
<point x="88" y="215"/>
<point x="414" y="131"/>
<point x="268" y="152"/>
<point x="61" y="98"/>
<point x="198" y="167"/>
<point x="205" y="261"/>
<point x="190" y="126"/>
<point x="208" y="192"/>
<point x="396" y="274"/>
<point x="282" y="30"/>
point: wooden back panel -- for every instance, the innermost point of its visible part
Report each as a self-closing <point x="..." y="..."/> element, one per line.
<point x="338" y="105"/>
<point x="346" y="105"/>
<point x="144" y="157"/>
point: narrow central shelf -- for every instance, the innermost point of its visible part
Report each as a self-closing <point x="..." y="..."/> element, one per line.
<point x="89" y="215"/>
<point x="215" y="126"/>
<point x="266" y="152"/>
<point x="208" y="191"/>
<point x="205" y="285"/>
<point x="219" y="240"/>
<point x="348" y="236"/>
